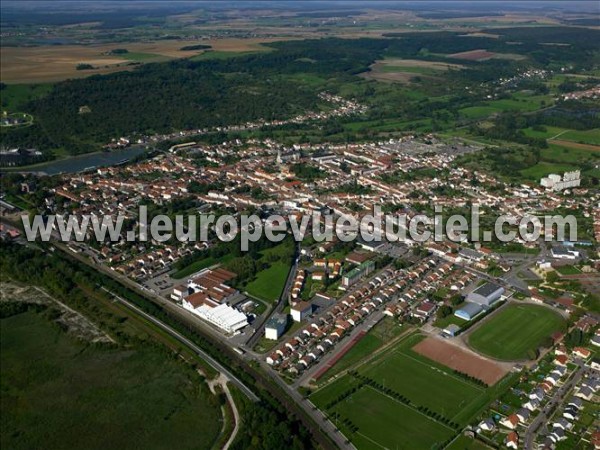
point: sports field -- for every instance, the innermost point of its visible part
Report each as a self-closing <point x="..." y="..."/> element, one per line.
<point x="405" y="428"/>
<point x="516" y="330"/>
<point x="424" y="384"/>
<point x="401" y="396"/>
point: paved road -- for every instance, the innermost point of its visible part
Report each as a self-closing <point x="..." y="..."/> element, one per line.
<point x="546" y="413"/>
<point x="212" y="362"/>
<point x="319" y="417"/>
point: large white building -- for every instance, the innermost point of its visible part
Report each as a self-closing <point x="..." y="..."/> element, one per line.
<point x="207" y="295"/>
<point x="486" y="294"/>
<point x="557" y="183"/>
<point x="275" y="326"/>
<point x="561" y="252"/>
<point x="223" y="316"/>
<point x="300" y="311"/>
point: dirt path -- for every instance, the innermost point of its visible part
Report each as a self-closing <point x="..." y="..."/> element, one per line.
<point x="221" y="381"/>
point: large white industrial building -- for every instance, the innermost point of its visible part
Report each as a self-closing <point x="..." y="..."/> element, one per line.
<point x="207" y="295"/>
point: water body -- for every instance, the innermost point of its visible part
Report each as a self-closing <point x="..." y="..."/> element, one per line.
<point x="86" y="162"/>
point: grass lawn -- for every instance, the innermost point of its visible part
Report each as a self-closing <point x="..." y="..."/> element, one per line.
<point x="386" y="423"/>
<point x="363" y="348"/>
<point x="583" y="136"/>
<point x="568" y="270"/>
<point x="478" y="112"/>
<point x="564" y="134"/>
<point x="58" y="392"/>
<point x="515" y="330"/>
<point x="269" y="283"/>
<point x="382" y="421"/>
<point x="424" y="384"/>
<point x="561" y="154"/>
<point x="518" y="102"/>
<point x="387" y="329"/>
<point x="550" y="132"/>
<point x="463" y="442"/>
<point x="448" y="320"/>
<point x="543" y="169"/>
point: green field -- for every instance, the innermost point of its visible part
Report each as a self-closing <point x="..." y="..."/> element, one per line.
<point x="269" y="283"/>
<point x="219" y="54"/>
<point x="568" y="270"/>
<point x="59" y="392"/>
<point x="546" y="133"/>
<point x="376" y="338"/>
<point x="386" y="423"/>
<point x="586" y="137"/>
<point x="13" y="97"/>
<point x="425" y="384"/>
<point x="514" y="331"/>
<point x="518" y="102"/>
<point x="543" y="169"/>
<point x="463" y="442"/>
<point x="565" y="134"/>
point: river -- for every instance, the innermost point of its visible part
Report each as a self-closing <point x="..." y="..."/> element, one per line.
<point x="84" y="162"/>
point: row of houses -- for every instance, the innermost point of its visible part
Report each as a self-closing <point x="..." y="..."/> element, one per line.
<point x="438" y="276"/>
<point x="566" y="418"/>
<point x="298" y="284"/>
<point x="535" y="398"/>
<point x="308" y="345"/>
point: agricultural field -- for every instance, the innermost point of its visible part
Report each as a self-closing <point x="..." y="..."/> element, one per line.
<point x="402" y="70"/>
<point x="62" y="392"/>
<point x="518" y="102"/>
<point x="433" y="401"/>
<point x="44" y="64"/>
<point x="515" y="331"/>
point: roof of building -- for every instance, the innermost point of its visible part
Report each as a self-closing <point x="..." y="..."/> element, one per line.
<point x="487" y="289"/>
<point x="470" y="309"/>
<point x="302" y="306"/>
<point x="277" y="321"/>
<point x="452" y="328"/>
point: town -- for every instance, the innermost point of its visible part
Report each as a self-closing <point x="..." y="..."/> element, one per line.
<point x="325" y="297"/>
